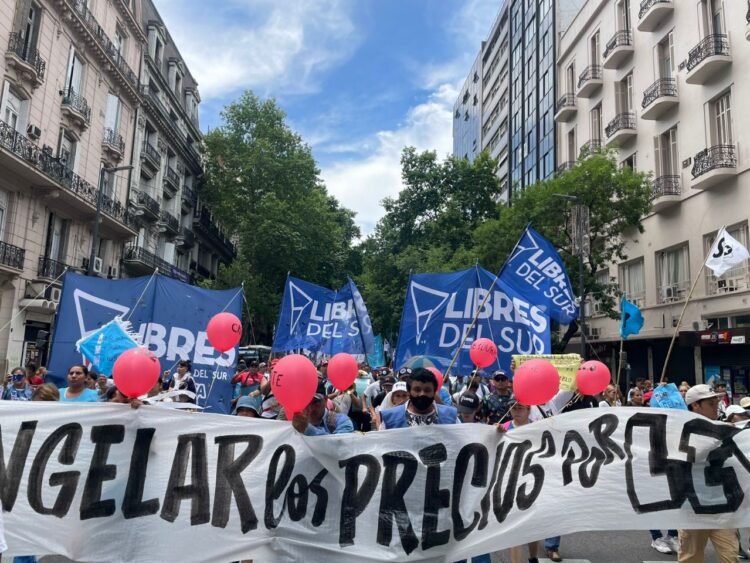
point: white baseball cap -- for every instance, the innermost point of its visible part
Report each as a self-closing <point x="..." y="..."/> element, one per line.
<point x="745" y="402"/>
<point x="700" y="392"/>
<point x="734" y="409"/>
<point x="399" y="386"/>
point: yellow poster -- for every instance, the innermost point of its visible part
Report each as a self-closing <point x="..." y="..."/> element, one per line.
<point x="566" y="364"/>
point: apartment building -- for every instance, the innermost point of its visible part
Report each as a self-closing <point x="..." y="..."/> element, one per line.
<point x="176" y="232"/>
<point x="515" y="93"/>
<point x="76" y="103"/>
<point x="659" y="82"/>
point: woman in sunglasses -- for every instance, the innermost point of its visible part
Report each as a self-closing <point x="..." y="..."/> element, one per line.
<point x="77" y="390"/>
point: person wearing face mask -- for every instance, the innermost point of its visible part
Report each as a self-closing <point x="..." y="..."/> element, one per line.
<point x="77" y="390"/>
<point x="420" y="409"/>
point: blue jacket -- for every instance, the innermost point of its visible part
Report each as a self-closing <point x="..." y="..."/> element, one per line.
<point x="343" y="426"/>
<point x="396" y="417"/>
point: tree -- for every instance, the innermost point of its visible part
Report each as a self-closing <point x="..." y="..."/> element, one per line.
<point x="264" y="185"/>
<point x="617" y="199"/>
<point x="428" y="227"/>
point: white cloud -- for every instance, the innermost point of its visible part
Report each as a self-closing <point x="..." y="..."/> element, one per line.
<point x="361" y="184"/>
<point x="267" y="45"/>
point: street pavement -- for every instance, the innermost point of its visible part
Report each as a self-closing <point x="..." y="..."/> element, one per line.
<point x="585" y="547"/>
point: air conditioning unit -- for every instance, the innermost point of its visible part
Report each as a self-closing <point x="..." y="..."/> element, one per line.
<point x="668" y="294"/>
<point x="54" y="294"/>
<point x="675" y="320"/>
<point x="33" y="132"/>
<point x="113" y="273"/>
<point x="97" y="265"/>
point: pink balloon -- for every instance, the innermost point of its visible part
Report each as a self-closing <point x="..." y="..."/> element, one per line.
<point x="135" y="372"/>
<point x="293" y="381"/>
<point x="483" y="352"/>
<point x="342" y="371"/>
<point x="535" y="382"/>
<point x="224" y="331"/>
<point x="438" y="376"/>
<point x="592" y="378"/>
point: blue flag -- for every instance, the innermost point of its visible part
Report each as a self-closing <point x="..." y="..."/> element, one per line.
<point x="103" y="346"/>
<point x="169" y="316"/>
<point x="536" y="272"/>
<point x="631" y="319"/>
<point x="321" y="320"/>
<point x="377" y="358"/>
<point x="439" y="309"/>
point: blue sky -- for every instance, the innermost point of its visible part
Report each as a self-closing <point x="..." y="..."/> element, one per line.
<point x="359" y="79"/>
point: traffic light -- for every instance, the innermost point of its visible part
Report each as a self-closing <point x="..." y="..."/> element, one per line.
<point x="42" y="339"/>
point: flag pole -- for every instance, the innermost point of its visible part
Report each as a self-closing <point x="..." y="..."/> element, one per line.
<point x="622" y="339"/>
<point x="484" y="302"/>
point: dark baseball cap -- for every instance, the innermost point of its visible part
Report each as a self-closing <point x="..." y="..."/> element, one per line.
<point x="468" y="403"/>
<point x="499" y="375"/>
<point x="388" y="380"/>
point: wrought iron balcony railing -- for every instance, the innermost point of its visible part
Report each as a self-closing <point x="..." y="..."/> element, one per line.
<point x="142" y="198"/>
<point x="620" y="39"/>
<point x="593" y="145"/>
<point x="150" y="152"/>
<point x="621" y="121"/>
<point x="50" y="269"/>
<point x="718" y="156"/>
<point x="77" y="103"/>
<point x="188" y="195"/>
<point x="661" y="88"/>
<point x="134" y="253"/>
<point x="12" y="256"/>
<point x="18" y="46"/>
<point x="666" y="185"/>
<point x="113" y="139"/>
<point x="710" y="46"/>
<point x="646" y="5"/>
<point x="115" y="209"/>
<point x="566" y="101"/>
<point x="172" y="177"/>
<point x="170" y="221"/>
<point x="591" y="72"/>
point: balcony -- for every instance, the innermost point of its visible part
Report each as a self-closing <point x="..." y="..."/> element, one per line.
<point x="589" y="81"/>
<point x="113" y="144"/>
<point x="171" y="180"/>
<point x="205" y="225"/>
<point x="565" y="166"/>
<point x="169" y="223"/>
<point x="108" y="52"/>
<point x="139" y="261"/>
<point x="565" y="108"/>
<point x="123" y="221"/>
<point x="707" y="58"/>
<point x="145" y="206"/>
<point x="26" y="60"/>
<point x="619" y="48"/>
<point x="736" y="279"/>
<point x="592" y="146"/>
<point x="621" y="129"/>
<point x="666" y="192"/>
<point x="188" y="198"/>
<point x="659" y="98"/>
<point x="11" y="258"/>
<point x="150" y="156"/>
<point x="714" y="165"/>
<point x="186" y="238"/>
<point x="76" y="109"/>
<point x="50" y="270"/>
<point x="652" y="13"/>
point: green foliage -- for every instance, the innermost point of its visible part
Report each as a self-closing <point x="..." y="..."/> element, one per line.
<point x="263" y="183"/>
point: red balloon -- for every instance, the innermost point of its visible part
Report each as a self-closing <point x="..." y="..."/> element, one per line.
<point x="135" y="372"/>
<point x="592" y="378"/>
<point x="483" y="352"/>
<point x="293" y="381"/>
<point x="535" y="382"/>
<point x="438" y="376"/>
<point x="342" y="371"/>
<point x="224" y="331"/>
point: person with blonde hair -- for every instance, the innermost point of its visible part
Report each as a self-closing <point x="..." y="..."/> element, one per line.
<point x="46" y="392"/>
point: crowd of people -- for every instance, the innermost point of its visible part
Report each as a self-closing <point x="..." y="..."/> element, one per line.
<point x="381" y="399"/>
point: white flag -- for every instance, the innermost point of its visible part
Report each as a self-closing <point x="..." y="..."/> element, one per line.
<point x="725" y="253"/>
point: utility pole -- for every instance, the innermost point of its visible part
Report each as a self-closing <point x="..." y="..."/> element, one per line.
<point x="98" y="216"/>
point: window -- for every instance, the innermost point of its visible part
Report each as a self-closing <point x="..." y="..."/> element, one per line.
<point x="570" y="77"/>
<point x="595" y="49"/>
<point x="735" y="279"/>
<point x="57" y="237"/>
<point x="14" y="109"/>
<point x="112" y="120"/>
<point x="717" y="17"/>
<point x="673" y="274"/>
<point x="30" y="30"/>
<point x="67" y="152"/>
<point x="624" y="95"/>
<point x="630" y="162"/>
<point x="572" y="152"/>
<point x="666" y="56"/>
<point x="119" y="40"/>
<point x="3" y="212"/>
<point x="596" y="123"/>
<point x="623" y="14"/>
<point x="73" y="80"/>
<point x="666" y="156"/>
<point x="602" y="279"/>
<point x="722" y="112"/>
<point x="633" y="282"/>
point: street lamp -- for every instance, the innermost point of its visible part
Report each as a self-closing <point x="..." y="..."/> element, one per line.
<point x="98" y="217"/>
<point x="579" y="242"/>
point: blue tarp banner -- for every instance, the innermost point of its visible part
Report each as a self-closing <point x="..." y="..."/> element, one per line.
<point x="323" y="321"/>
<point x="170" y="317"/>
<point x="537" y="273"/>
<point x="439" y="309"/>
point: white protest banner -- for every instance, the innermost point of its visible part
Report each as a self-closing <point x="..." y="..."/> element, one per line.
<point x="108" y="483"/>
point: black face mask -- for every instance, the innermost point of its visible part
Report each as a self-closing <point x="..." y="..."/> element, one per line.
<point x="421" y="402"/>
